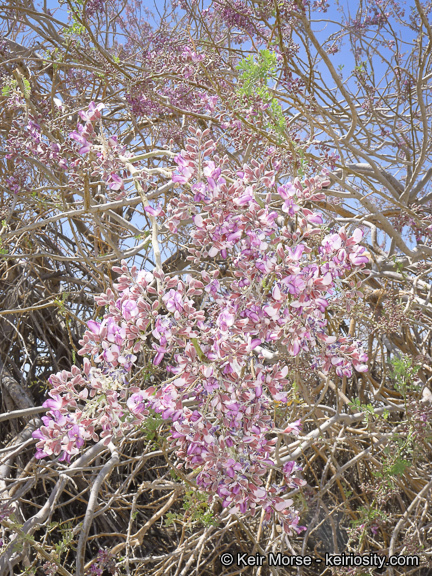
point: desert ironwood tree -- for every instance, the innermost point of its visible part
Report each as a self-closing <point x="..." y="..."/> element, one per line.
<point x="215" y="255"/>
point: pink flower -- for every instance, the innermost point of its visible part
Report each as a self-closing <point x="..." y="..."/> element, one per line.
<point x="225" y="320"/>
<point x="94" y="326"/>
<point x="221" y="339"/>
<point x="129" y="309"/>
<point x="158" y="211"/>
<point x="115" y="182"/>
<point x="93" y="113"/>
<point x="173" y="301"/>
<point x="293" y="428"/>
<point x="57" y="403"/>
<point x="137" y="403"/>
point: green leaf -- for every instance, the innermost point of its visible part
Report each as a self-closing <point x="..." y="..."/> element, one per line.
<point x="398" y="468"/>
<point x="197" y="347"/>
<point x="27" y="87"/>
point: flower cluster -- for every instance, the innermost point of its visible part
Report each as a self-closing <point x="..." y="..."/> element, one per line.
<point x="213" y="334"/>
<point x="106" y="151"/>
<point x="50" y="568"/>
<point x="69" y="423"/>
<point x="104" y="561"/>
<point x="27" y="140"/>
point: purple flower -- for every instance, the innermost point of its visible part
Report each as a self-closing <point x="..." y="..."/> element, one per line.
<point x="75" y="435"/>
<point x="245" y="198"/>
<point x="56" y="404"/>
<point x="115" y="333"/>
<point x="293" y="428"/>
<point x="115" y="182"/>
<point x="129" y="309"/>
<point x="173" y="301"/>
<point x="93" y="113"/>
<point x="154" y="211"/>
<point x="85" y="145"/>
<point x="161" y="351"/>
<point x="137" y="403"/>
<point x="94" y="326"/>
<point x="225" y="320"/>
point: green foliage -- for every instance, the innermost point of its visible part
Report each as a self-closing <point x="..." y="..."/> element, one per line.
<point x="151" y="425"/>
<point x="2" y="249"/>
<point x="60" y="301"/>
<point x="403" y="374"/>
<point x="147" y="372"/>
<point x="395" y="460"/>
<point x="67" y="537"/>
<point x="255" y="75"/>
<point x="368" y="409"/>
<point x="200" y="353"/>
<point x="170" y="518"/>
<point x="30" y="571"/>
<point x="398" y="467"/>
<point x="76" y="27"/>
<point x="11" y="85"/>
<point x="399" y="266"/>
<point x="279" y="122"/>
<point x="27" y="87"/>
<point x="254" y="78"/>
<point x="369" y="516"/>
<point x="303" y="161"/>
<point x="361" y="67"/>
<point x="195" y="510"/>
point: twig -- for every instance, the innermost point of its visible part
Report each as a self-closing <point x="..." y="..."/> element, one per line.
<point x="101" y="477"/>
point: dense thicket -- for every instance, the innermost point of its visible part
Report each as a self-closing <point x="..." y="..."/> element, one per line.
<point x="216" y="225"/>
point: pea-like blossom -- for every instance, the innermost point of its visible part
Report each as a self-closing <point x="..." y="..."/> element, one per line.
<point x="215" y="343"/>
